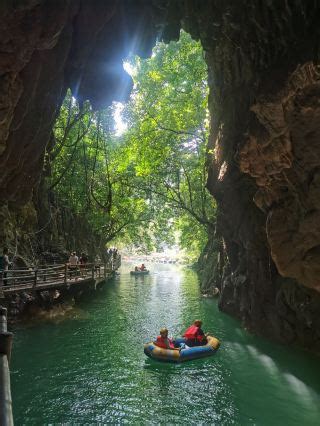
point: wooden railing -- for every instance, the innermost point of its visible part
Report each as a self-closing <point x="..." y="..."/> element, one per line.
<point x="6" y="418"/>
<point x="34" y="277"/>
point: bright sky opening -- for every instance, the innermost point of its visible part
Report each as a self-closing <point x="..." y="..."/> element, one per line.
<point x="121" y="126"/>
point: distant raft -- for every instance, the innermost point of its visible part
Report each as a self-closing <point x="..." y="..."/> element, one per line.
<point x="170" y="355"/>
<point x="146" y="272"/>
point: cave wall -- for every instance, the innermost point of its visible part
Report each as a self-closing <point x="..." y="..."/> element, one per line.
<point x="264" y="104"/>
<point x="48" y="46"/>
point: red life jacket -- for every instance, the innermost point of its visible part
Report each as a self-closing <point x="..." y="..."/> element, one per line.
<point x="162" y="343"/>
<point x="192" y="333"/>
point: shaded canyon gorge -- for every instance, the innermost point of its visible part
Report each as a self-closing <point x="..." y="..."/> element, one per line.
<point x="263" y="153"/>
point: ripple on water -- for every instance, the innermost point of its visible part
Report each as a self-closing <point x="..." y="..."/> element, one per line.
<point x="91" y="369"/>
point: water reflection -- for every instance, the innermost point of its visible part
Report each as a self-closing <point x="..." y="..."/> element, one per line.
<point x="92" y="369"/>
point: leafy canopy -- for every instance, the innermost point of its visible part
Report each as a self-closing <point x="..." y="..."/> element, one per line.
<point x="147" y="185"/>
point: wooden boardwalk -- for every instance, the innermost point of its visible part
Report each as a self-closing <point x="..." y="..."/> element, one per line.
<point x="57" y="277"/>
<point x="39" y="279"/>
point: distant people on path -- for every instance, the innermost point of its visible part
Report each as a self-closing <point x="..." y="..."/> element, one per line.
<point x="112" y="251"/>
<point x="4" y="265"/>
<point x="163" y="341"/>
<point x="111" y="256"/>
<point x="194" y="335"/>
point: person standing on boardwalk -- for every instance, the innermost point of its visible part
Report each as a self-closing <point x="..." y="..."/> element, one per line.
<point x="4" y="265"/>
<point x="73" y="262"/>
<point x="83" y="261"/>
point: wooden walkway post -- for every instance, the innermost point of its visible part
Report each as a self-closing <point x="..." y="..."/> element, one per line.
<point x="35" y="277"/>
<point x="6" y="418"/>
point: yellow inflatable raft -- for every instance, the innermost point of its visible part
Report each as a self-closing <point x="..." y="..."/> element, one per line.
<point x="187" y="354"/>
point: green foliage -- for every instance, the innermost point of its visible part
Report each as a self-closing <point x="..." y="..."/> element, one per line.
<point x="143" y="187"/>
<point x="86" y="171"/>
<point x="167" y="137"/>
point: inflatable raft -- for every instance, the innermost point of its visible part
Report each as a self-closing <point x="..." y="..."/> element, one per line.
<point x="146" y="272"/>
<point x="170" y="355"/>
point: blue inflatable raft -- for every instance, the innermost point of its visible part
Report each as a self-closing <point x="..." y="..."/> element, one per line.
<point x="170" y="355"/>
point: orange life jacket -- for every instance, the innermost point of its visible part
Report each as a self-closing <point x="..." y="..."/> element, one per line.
<point x="192" y="333"/>
<point x="162" y="343"/>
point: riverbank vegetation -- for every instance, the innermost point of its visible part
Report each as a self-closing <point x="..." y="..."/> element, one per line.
<point x="145" y="186"/>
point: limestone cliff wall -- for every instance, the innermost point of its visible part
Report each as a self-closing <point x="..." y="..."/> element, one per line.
<point x="264" y="103"/>
<point x="45" y="48"/>
<point x="48" y="46"/>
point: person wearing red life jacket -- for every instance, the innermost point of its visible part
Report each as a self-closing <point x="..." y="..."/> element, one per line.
<point x="163" y="341"/>
<point x="194" y="335"/>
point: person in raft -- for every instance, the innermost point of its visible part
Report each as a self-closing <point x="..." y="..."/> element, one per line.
<point x="194" y="335"/>
<point x="163" y="341"/>
<point x="142" y="267"/>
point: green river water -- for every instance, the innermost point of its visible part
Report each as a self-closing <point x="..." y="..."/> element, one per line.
<point x="90" y="368"/>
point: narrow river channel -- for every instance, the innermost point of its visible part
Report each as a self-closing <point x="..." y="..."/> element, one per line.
<point x="90" y="368"/>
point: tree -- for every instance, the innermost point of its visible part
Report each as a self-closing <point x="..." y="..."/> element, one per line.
<point x="150" y="182"/>
<point x="86" y="171"/>
<point x="168" y="128"/>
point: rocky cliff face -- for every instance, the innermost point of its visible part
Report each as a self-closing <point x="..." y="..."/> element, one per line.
<point x="264" y="103"/>
<point x="44" y="230"/>
<point x="46" y="47"/>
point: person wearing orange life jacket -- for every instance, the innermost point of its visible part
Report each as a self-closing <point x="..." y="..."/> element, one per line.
<point x="163" y="341"/>
<point x="194" y="335"/>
